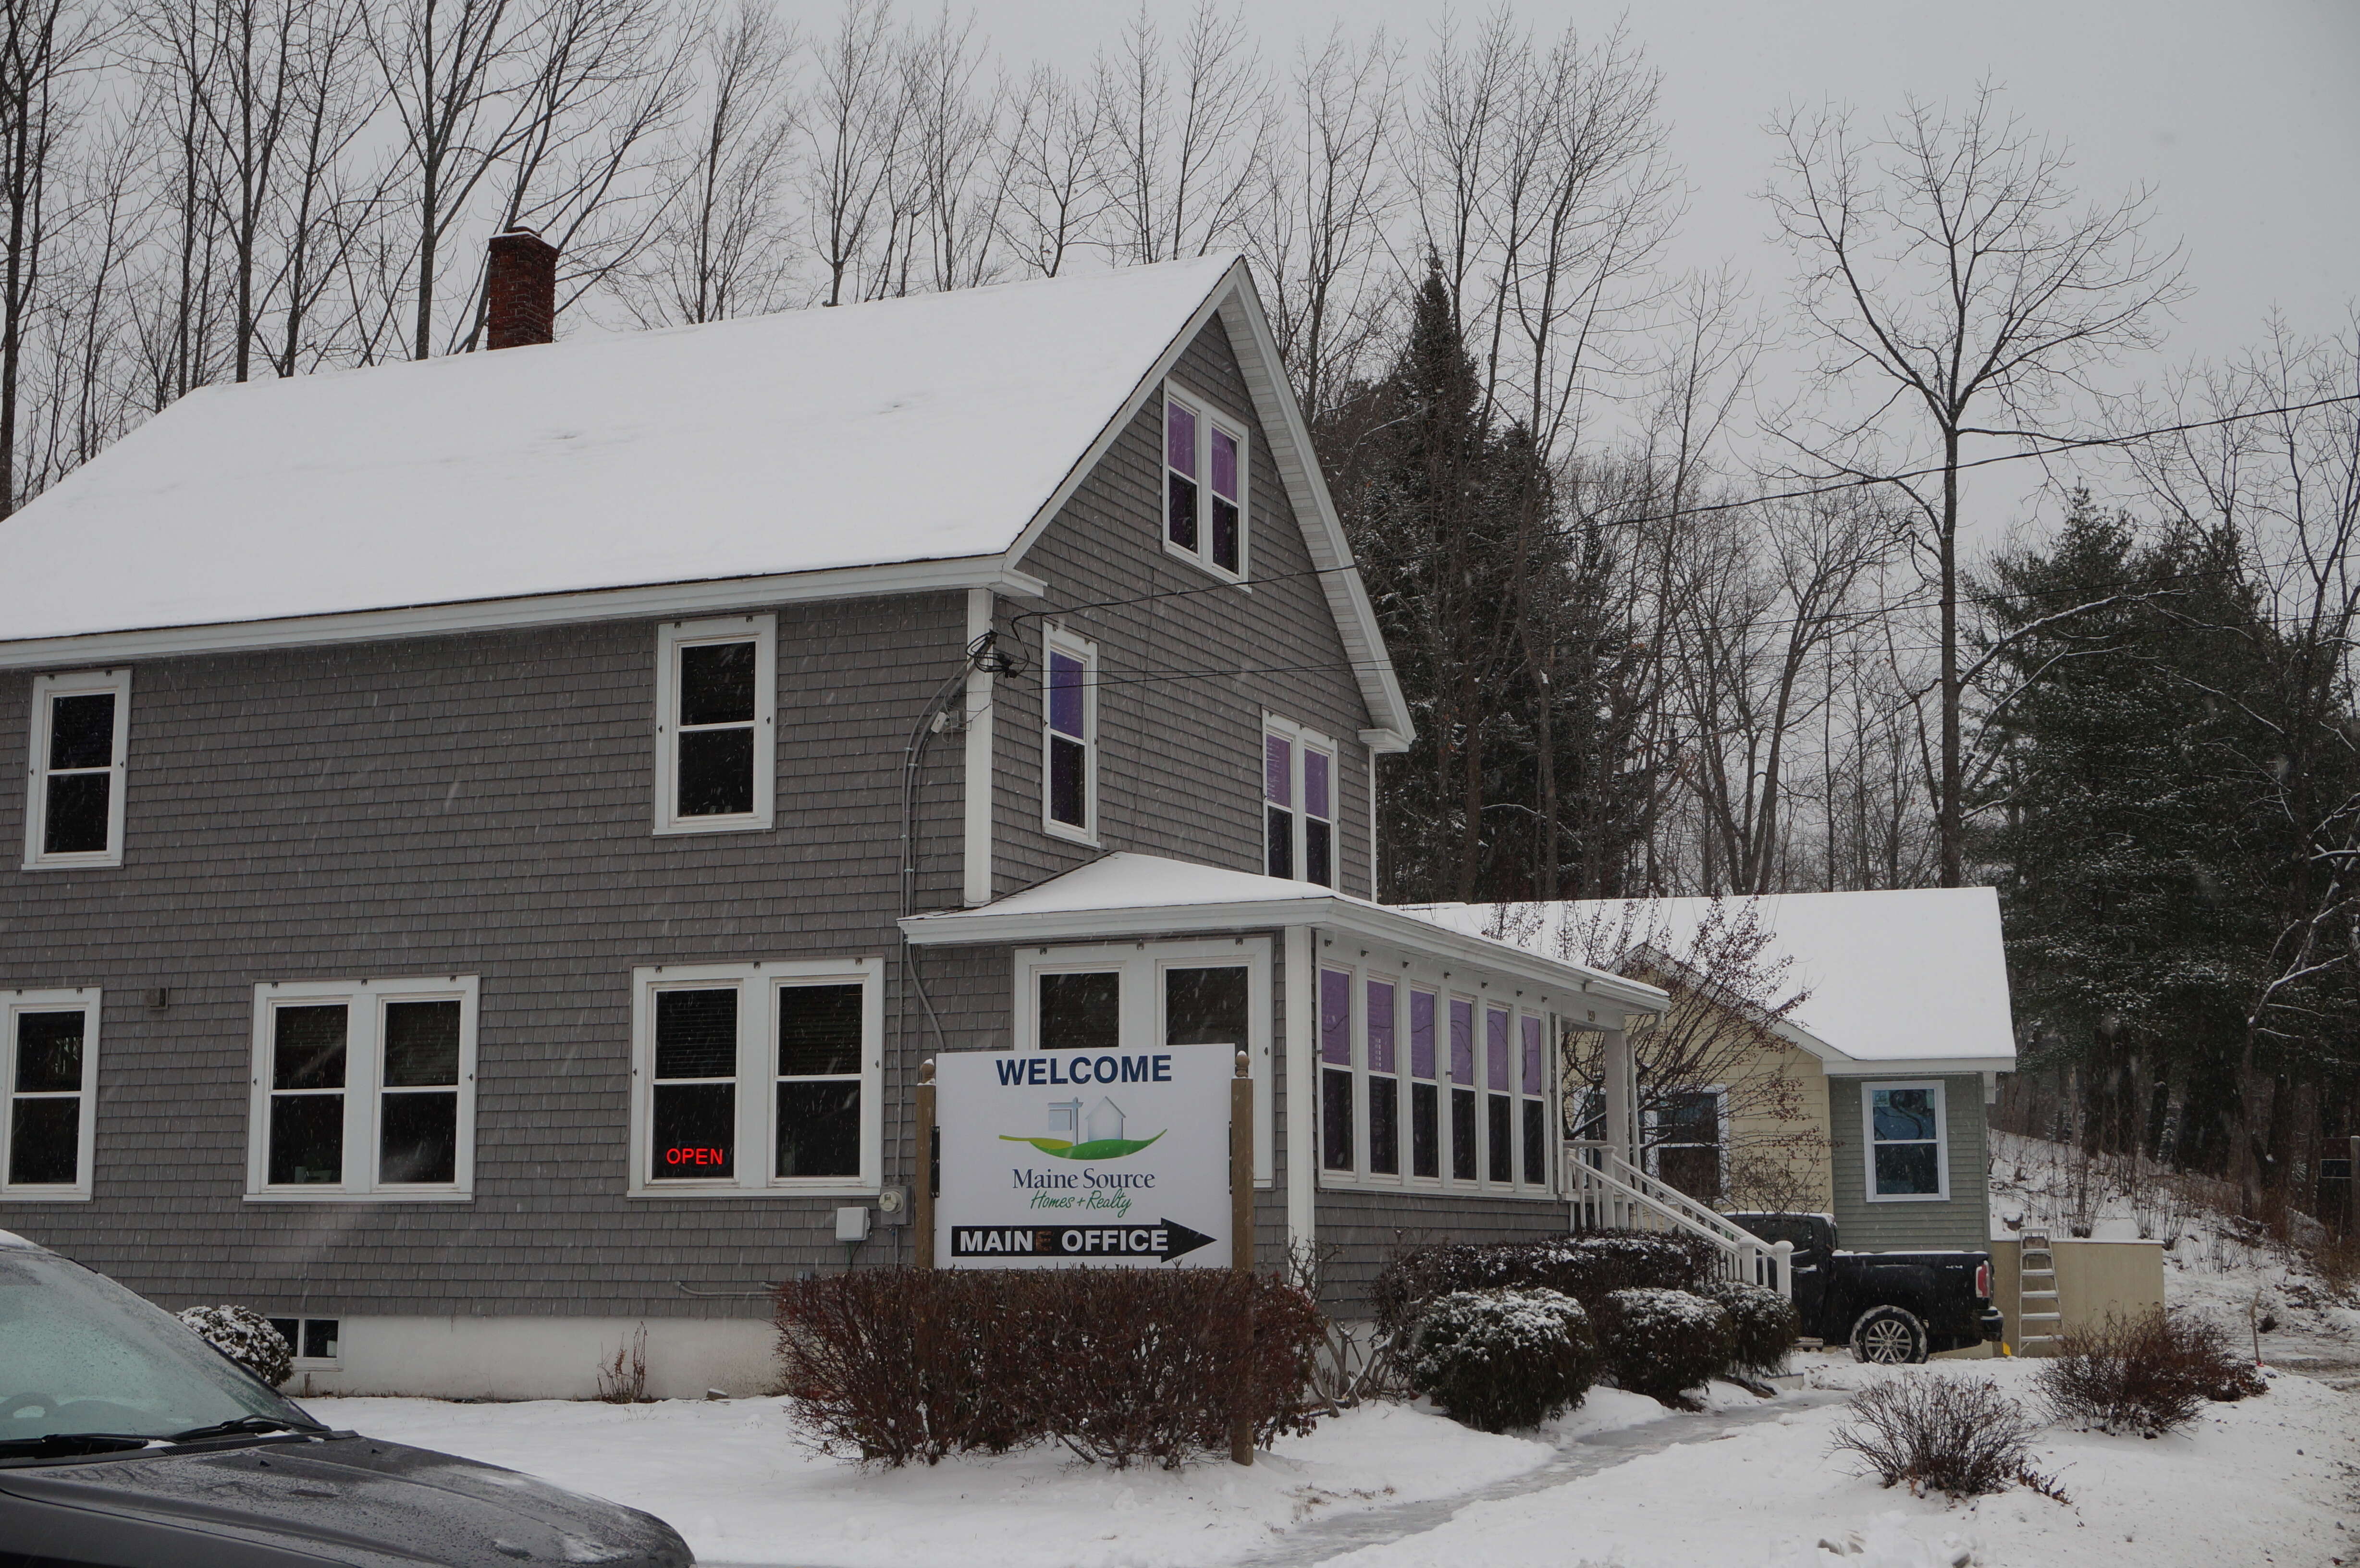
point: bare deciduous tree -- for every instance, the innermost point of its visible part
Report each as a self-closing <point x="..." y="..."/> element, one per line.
<point x="1958" y="287"/>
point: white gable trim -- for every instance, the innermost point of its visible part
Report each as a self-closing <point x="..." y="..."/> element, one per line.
<point x="660" y="601"/>
<point x="1288" y="441"/>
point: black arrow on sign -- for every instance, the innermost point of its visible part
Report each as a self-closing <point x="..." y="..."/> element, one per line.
<point x="1162" y="1242"/>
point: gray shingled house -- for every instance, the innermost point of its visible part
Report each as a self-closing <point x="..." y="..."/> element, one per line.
<point x="501" y="832"/>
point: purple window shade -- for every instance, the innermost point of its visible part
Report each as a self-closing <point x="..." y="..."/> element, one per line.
<point x="1532" y="1055"/>
<point x="1225" y="465"/>
<point x="1380" y="1027"/>
<point x="1314" y="783"/>
<point x="1180" y="439"/>
<point x="1495" y="1046"/>
<point x="1462" y="1042"/>
<point x="1335" y="1018"/>
<point x="1065" y="695"/>
<point x="1278" y="770"/>
<point x="1421" y="1034"/>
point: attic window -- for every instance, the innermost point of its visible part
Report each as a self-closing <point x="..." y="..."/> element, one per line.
<point x="717" y="691"/>
<point x="1204" y="484"/>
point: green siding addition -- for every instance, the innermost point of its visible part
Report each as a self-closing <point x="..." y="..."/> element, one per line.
<point x="1963" y="1222"/>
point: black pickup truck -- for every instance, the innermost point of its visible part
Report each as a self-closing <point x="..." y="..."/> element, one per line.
<point x="1890" y="1307"/>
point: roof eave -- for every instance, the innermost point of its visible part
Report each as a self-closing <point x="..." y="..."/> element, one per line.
<point x="1931" y="1067"/>
<point x="967" y="927"/>
<point x="657" y="600"/>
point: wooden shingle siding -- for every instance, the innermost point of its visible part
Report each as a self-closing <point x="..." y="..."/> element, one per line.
<point x="1184" y="679"/>
<point x="476" y="805"/>
<point x="1962" y="1224"/>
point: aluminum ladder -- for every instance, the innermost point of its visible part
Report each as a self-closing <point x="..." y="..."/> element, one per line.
<point x="2038" y="1319"/>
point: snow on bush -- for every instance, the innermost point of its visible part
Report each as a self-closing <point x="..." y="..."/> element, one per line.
<point x="1942" y="1434"/>
<point x="1764" y="1322"/>
<point x="1664" y="1343"/>
<point x="2147" y="1375"/>
<point x="1586" y="1267"/>
<point x="246" y="1337"/>
<point x="1498" y="1359"/>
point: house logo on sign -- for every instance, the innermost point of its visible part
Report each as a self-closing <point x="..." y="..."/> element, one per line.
<point x="1075" y="1133"/>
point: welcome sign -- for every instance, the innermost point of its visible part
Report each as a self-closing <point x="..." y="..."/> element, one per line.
<point x="1066" y="1159"/>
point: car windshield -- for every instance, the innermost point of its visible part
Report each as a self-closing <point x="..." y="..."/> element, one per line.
<point x="81" y="1354"/>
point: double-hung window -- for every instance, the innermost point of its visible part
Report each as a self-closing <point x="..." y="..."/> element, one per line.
<point x="1069" y="739"/>
<point x="716" y="719"/>
<point x="1424" y="1089"/>
<point x="364" y="1088"/>
<point x="1684" y="1137"/>
<point x="1336" y="1070"/>
<point x="1908" y="1142"/>
<point x="1298" y="804"/>
<point x="73" y="807"/>
<point x="1204" y="484"/>
<point x="49" y="1080"/>
<point x="761" y="1077"/>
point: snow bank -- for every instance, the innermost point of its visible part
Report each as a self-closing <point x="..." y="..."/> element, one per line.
<point x="729" y="1475"/>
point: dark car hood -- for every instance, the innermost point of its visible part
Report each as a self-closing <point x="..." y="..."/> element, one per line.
<point x="341" y="1499"/>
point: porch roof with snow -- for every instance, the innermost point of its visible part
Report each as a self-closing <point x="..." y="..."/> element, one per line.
<point x="909" y="444"/>
<point x="1909" y="980"/>
<point x="1126" y="895"/>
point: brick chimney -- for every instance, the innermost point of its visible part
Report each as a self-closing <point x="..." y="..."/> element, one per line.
<point x="520" y="295"/>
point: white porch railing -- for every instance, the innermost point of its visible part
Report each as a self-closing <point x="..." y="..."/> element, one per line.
<point x="1609" y="1192"/>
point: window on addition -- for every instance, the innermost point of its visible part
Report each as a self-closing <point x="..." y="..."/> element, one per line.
<point x="49" y="1058"/>
<point x="82" y="725"/>
<point x="757" y="1077"/>
<point x="1299" y="804"/>
<point x="1336" y="1070"/>
<point x="1203" y="485"/>
<point x="1069" y="737"/>
<point x="716" y="702"/>
<point x="364" y="1088"/>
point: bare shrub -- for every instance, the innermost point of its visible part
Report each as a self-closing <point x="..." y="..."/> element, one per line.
<point x="2149" y="1375"/>
<point x="1498" y="1360"/>
<point x="1121" y="1366"/>
<point x="1358" y="1362"/>
<point x="1932" y="1433"/>
<point x="623" y="1378"/>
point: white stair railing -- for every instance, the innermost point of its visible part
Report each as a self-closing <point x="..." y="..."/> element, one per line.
<point x="1609" y="1192"/>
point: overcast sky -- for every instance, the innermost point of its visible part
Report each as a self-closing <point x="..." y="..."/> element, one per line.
<point x="2244" y="117"/>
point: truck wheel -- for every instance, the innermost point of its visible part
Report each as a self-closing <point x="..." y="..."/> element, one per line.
<point x="1889" y="1336"/>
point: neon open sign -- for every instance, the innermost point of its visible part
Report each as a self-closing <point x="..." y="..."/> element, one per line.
<point x="696" y="1157"/>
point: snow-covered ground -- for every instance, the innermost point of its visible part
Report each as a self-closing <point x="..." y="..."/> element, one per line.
<point x="2228" y="1269"/>
<point x="2268" y="1481"/>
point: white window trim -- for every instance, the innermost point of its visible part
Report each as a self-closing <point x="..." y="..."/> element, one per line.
<point x="1406" y="974"/>
<point x="1297" y="737"/>
<point x="1208" y="414"/>
<point x="758" y="985"/>
<point x="670" y="638"/>
<point x="364" y="1089"/>
<point x="310" y="1363"/>
<point x="1056" y="640"/>
<point x="77" y="683"/>
<point x="85" y="1000"/>
<point x="1143" y="967"/>
<point x="1941" y="1140"/>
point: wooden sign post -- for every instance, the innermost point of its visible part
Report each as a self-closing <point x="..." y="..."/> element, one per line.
<point x="922" y="1207"/>
<point x="1241" y="1197"/>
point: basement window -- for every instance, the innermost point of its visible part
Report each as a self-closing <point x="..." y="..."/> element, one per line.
<point x="717" y="716"/>
<point x="314" y="1340"/>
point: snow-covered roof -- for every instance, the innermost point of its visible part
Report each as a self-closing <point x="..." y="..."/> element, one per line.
<point x="908" y="443"/>
<point x="1914" y="978"/>
<point x="1126" y="895"/>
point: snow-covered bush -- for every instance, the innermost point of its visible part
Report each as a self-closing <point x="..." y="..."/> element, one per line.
<point x="1498" y="1359"/>
<point x="1941" y="1434"/>
<point x="246" y="1337"/>
<point x="2147" y="1375"/>
<point x="1587" y="1267"/>
<point x="1764" y="1323"/>
<point x="1664" y="1343"/>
